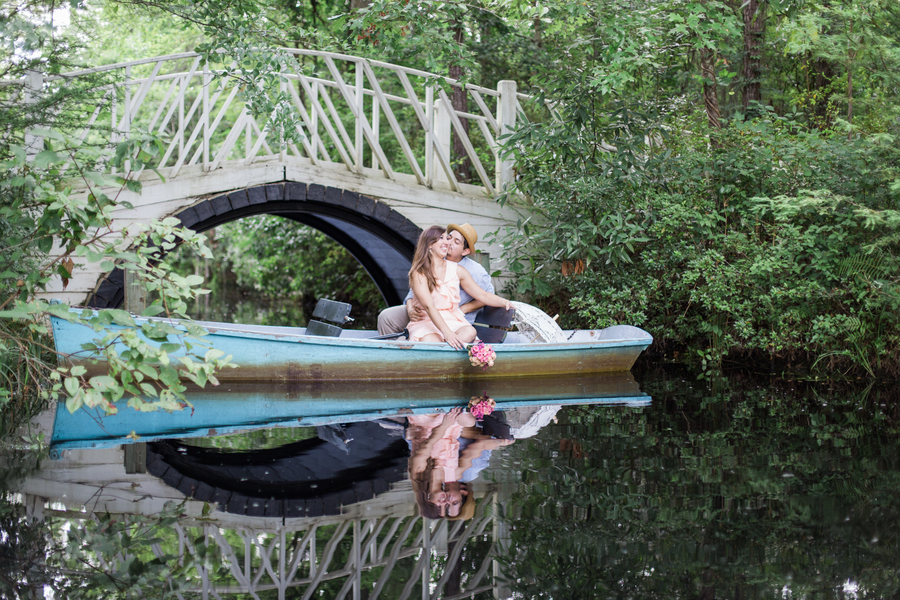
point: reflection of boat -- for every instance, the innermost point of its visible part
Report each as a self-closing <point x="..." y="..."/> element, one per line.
<point x="239" y="406"/>
<point x="287" y="354"/>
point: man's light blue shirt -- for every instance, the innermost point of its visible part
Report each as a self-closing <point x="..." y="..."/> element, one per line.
<point x="481" y="278"/>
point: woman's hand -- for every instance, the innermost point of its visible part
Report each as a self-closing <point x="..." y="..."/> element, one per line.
<point x="454" y="340"/>
<point x="451" y="418"/>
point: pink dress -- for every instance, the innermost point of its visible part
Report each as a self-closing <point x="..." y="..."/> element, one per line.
<point x="446" y="299"/>
<point x="445" y="451"/>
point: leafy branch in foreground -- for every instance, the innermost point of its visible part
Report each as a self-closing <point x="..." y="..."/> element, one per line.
<point x="57" y="214"/>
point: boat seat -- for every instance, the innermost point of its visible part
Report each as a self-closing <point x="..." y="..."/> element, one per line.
<point x="493" y="323"/>
<point x="329" y="310"/>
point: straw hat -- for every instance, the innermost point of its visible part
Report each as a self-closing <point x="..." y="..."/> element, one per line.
<point x="467" y="231"/>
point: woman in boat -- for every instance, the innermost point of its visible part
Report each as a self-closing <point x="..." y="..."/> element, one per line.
<point x="434" y="462"/>
<point x="436" y="283"/>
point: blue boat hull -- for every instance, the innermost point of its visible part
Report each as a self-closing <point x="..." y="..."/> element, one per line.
<point x="287" y="354"/>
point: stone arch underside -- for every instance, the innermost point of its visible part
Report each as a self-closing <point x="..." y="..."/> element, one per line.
<point x="379" y="237"/>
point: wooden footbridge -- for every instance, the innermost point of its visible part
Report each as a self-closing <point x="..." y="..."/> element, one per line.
<point x="373" y="168"/>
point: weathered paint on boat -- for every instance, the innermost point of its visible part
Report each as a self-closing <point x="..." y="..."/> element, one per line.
<point x="287" y="354"/>
<point x="243" y="406"/>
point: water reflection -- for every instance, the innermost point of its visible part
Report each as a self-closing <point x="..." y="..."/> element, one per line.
<point x="245" y="406"/>
<point x="307" y="478"/>
<point x="447" y="451"/>
<point x="733" y="488"/>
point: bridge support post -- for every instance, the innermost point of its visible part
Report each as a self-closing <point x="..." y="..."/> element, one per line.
<point x="506" y="118"/>
<point x="501" y="538"/>
<point x="442" y="126"/>
<point x="33" y="87"/>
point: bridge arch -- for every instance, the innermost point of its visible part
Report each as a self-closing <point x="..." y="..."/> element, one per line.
<point x="309" y="478"/>
<point x="379" y="237"/>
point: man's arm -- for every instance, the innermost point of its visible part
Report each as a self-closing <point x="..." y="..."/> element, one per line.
<point x="469" y="305"/>
<point x="414" y="310"/>
<point x="479" y="275"/>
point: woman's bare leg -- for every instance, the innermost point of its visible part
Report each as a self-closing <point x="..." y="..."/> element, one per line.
<point x="467" y="420"/>
<point x="467" y="334"/>
<point x="433" y="337"/>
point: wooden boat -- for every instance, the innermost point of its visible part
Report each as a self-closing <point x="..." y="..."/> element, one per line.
<point x="264" y="353"/>
<point x="244" y="406"/>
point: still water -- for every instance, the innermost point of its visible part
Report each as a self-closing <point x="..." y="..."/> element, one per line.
<point x="661" y="486"/>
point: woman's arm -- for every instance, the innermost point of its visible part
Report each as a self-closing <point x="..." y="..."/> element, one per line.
<point x="467" y="283"/>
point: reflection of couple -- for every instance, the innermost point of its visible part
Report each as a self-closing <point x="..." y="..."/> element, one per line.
<point x="444" y="299"/>
<point x="438" y="470"/>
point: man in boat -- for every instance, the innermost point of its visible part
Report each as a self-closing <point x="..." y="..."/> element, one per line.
<point x="463" y="239"/>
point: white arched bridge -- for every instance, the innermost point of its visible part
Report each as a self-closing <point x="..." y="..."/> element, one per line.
<point x="373" y="168"/>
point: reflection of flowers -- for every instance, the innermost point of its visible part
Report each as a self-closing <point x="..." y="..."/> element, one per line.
<point x="482" y="355"/>
<point x="480" y="406"/>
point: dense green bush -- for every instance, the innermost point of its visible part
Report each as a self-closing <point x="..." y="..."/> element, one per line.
<point x="765" y="240"/>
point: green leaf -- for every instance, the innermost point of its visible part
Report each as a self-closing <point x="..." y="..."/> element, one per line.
<point x="72" y="386"/>
<point x="15" y="314"/>
<point x="148" y="371"/>
<point x="212" y="354"/>
<point x="75" y="402"/>
<point x="121" y="317"/>
<point x="63" y="312"/>
<point x="48" y="157"/>
<point x="152" y="310"/>
<point x="103" y="383"/>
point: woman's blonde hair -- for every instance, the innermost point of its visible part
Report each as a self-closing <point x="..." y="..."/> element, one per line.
<point x="422" y="262"/>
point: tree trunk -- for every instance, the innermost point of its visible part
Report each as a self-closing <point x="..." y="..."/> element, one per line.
<point x="851" y="57"/>
<point x="822" y="72"/>
<point x="708" y="591"/>
<point x="754" y="13"/>
<point x="710" y="97"/>
<point x="460" y="102"/>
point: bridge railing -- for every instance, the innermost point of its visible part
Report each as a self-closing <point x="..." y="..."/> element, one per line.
<point x="397" y="556"/>
<point x="372" y="118"/>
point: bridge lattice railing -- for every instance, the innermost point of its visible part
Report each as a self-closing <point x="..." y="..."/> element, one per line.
<point x="390" y="555"/>
<point x="372" y="118"/>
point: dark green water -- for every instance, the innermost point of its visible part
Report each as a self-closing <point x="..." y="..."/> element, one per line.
<point x="735" y="487"/>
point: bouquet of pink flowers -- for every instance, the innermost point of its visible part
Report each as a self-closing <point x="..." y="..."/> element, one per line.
<point x="480" y="406"/>
<point x="482" y="355"/>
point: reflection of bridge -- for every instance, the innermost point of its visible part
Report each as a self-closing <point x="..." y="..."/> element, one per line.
<point x="379" y="543"/>
<point x="374" y="167"/>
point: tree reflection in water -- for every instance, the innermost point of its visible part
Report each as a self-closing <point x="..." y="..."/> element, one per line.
<point x="730" y="489"/>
